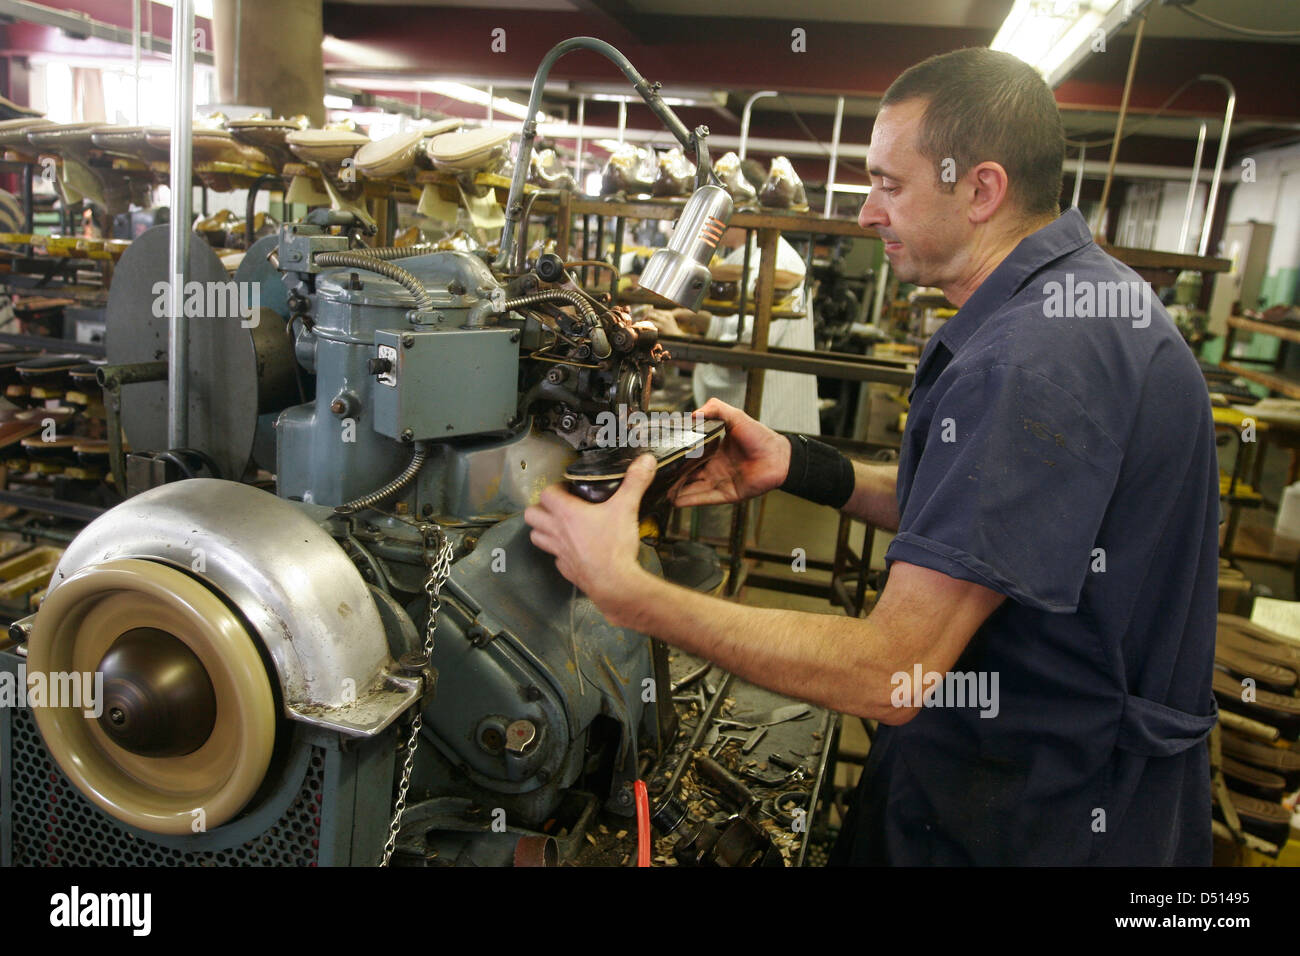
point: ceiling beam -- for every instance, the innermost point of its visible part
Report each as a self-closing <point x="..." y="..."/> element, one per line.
<point x="745" y="54"/>
<point x="616" y="19"/>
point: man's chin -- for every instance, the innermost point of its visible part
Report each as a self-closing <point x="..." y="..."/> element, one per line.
<point x="904" y="271"/>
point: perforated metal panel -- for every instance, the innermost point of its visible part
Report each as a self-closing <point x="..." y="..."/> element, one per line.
<point x="54" y="825"/>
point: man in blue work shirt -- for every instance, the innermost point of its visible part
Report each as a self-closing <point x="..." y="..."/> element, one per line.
<point x="1042" y="652"/>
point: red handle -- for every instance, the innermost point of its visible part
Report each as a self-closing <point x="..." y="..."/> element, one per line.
<point x="642" y="823"/>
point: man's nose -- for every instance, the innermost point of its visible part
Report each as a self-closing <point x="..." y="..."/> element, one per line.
<point x="871" y="214"/>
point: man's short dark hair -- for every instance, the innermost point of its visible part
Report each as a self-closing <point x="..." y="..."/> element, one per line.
<point x="983" y="105"/>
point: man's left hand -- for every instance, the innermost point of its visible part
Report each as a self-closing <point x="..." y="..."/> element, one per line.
<point x="595" y="546"/>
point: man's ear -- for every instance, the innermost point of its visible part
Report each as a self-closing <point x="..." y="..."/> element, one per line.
<point x="988" y="184"/>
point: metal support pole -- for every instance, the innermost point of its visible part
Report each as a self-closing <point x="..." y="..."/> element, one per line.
<point x="622" y="119"/>
<point x="135" y="57"/>
<point x="763" y="295"/>
<point x="744" y="285"/>
<point x="178" y="358"/>
<point x="1078" y="179"/>
<point x="1218" y="163"/>
<point x="835" y="156"/>
<point x="29" y="206"/>
<point x="882" y="280"/>
<point x="582" y="119"/>
<point x="619" y="223"/>
<point x="1191" y="190"/>
<point x="744" y="119"/>
<point x="490" y="91"/>
<point x="1119" y="122"/>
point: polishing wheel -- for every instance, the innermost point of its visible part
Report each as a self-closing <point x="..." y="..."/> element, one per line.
<point x="181" y="735"/>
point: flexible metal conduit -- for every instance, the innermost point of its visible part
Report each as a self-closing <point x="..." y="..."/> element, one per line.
<point x="393" y="487"/>
<point x="549" y="295"/>
<point x="363" y="260"/>
<point x="398" y="252"/>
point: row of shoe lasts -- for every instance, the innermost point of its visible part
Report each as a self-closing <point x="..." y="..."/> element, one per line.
<point x="261" y="145"/>
<point x="782" y="189"/>
<point x="632" y="170"/>
<point x="31" y="381"/>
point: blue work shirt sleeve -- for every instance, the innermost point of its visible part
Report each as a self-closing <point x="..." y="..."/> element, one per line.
<point x="1012" y="483"/>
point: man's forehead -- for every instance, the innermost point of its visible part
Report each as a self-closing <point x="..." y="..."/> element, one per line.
<point x="893" y="134"/>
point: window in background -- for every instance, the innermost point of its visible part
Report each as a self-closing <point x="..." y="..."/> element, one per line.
<point x="71" y="91"/>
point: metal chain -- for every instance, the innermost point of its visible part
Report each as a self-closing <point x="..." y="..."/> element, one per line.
<point x="437" y="555"/>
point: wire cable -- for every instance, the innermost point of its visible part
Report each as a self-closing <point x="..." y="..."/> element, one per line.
<point x="1234" y="28"/>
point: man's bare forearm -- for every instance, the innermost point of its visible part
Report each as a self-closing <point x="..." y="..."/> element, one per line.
<point x="821" y="658"/>
<point x="875" y="495"/>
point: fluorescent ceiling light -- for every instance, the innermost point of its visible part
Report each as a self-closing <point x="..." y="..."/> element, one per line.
<point x="629" y="98"/>
<point x="1054" y="36"/>
<point x="337" y="102"/>
<point x="202" y="8"/>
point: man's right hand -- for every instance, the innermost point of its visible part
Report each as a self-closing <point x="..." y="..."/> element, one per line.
<point x="753" y="460"/>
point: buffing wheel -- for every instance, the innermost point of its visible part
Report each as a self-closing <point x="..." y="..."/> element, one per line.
<point x="191" y="712"/>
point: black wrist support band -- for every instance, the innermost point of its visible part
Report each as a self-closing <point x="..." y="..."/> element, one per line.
<point x="818" y="472"/>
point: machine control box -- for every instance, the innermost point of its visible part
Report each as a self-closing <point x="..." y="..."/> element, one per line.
<point x="446" y="383"/>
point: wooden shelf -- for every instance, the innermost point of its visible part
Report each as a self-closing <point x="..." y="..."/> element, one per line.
<point x="1264" y="328"/>
<point x="1287" y="386"/>
<point x="640" y="297"/>
<point x="809" y="223"/>
<point x="1259" y="543"/>
<point x="760" y="219"/>
<point x="1152" y="259"/>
